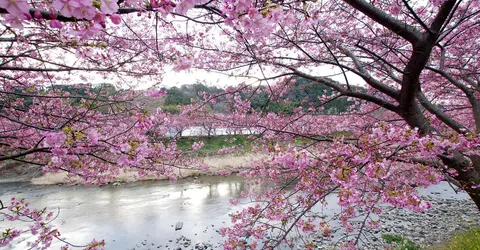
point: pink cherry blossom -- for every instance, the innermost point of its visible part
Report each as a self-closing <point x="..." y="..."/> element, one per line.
<point x="116" y="19"/>
<point x="15" y="21"/>
<point x="55" y="24"/>
<point x="109" y="6"/>
<point x="407" y="69"/>
<point x="197" y="145"/>
<point x="66" y="7"/>
<point x="185" y="5"/>
<point x="85" y="10"/>
<point x="15" y="7"/>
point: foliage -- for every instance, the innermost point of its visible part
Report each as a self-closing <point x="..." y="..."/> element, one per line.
<point x="176" y="96"/>
<point x="399" y="242"/>
<point x="186" y="93"/>
<point x="467" y="240"/>
<point x="171" y="109"/>
<point x="214" y="143"/>
<point x="304" y="93"/>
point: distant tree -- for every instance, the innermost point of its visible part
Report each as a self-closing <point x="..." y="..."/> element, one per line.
<point x="171" y="109"/>
<point x="175" y="96"/>
<point x="304" y="93"/>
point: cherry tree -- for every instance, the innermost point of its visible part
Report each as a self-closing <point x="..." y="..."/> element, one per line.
<point x="416" y="63"/>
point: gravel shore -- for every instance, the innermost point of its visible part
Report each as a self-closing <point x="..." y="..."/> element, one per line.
<point x="449" y="214"/>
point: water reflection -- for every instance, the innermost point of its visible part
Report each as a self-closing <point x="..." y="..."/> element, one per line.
<point x="142" y="215"/>
<point x="126" y="216"/>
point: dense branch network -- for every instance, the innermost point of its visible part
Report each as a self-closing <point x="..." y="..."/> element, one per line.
<point x="411" y="68"/>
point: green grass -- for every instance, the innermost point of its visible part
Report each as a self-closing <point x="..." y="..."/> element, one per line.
<point x="468" y="240"/>
<point x="399" y="242"/>
<point x="214" y="143"/>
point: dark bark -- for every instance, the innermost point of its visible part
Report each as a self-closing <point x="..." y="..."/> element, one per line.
<point x="468" y="168"/>
<point x="400" y="28"/>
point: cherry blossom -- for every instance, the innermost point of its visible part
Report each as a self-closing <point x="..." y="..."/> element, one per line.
<point x="409" y="67"/>
<point x="15" y="7"/>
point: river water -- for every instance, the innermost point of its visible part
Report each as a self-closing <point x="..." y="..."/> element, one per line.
<point x="139" y="215"/>
<point x="143" y="215"/>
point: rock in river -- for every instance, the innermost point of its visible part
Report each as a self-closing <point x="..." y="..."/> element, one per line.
<point x="178" y="226"/>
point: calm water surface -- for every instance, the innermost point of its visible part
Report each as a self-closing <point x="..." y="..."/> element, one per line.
<point x="143" y="215"/>
<point x="129" y="215"/>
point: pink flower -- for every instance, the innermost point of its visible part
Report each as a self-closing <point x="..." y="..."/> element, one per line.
<point x="197" y="145"/>
<point x="125" y="147"/>
<point x="204" y="167"/>
<point x="92" y="136"/>
<point x="96" y="245"/>
<point x="109" y="6"/>
<point x="54" y="139"/>
<point x="123" y="160"/>
<point x="155" y="92"/>
<point x="100" y="19"/>
<point x="184" y="6"/>
<point x="183" y="63"/>
<point x="85" y="10"/>
<point x="38" y="15"/>
<point x="15" y="7"/>
<point x="395" y="9"/>
<point x="66" y="7"/>
<point x="59" y="152"/>
<point x="89" y="31"/>
<point x="55" y="24"/>
<point x="116" y="19"/>
<point x="15" y="21"/>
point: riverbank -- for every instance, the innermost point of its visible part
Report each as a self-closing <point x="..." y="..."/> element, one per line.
<point x="427" y="230"/>
<point x="450" y="214"/>
<point x="431" y="229"/>
<point x="20" y="172"/>
<point x="144" y="215"/>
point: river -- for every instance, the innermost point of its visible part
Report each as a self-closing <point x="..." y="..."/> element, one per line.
<point x="143" y="215"/>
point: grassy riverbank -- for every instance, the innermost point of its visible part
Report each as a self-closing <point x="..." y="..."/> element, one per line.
<point x="215" y="143"/>
<point x="465" y="240"/>
<point x="215" y="163"/>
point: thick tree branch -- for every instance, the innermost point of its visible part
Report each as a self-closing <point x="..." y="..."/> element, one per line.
<point x="468" y="93"/>
<point x="24" y="153"/>
<point x="402" y="29"/>
<point x="346" y="92"/>
<point x="422" y="50"/>
<point x="47" y="15"/>
<point x="368" y="78"/>
<point x="442" y="16"/>
<point x="449" y="121"/>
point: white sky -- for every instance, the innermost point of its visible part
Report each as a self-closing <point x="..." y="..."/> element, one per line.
<point x="172" y="78"/>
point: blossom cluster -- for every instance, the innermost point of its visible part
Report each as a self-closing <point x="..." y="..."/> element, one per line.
<point x="39" y="226"/>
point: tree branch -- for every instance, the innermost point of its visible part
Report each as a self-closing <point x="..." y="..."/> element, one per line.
<point x="338" y="87"/>
<point x="402" y="29"/>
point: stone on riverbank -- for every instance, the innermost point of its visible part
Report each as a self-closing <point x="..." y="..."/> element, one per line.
<point x="178" y="226"/>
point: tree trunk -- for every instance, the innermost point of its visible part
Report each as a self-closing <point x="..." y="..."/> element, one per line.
<point x="468" y="169"/>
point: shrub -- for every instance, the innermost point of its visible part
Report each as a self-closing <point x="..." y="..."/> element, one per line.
<point x="468" y="240"/>
<point x="399" y="242"/>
